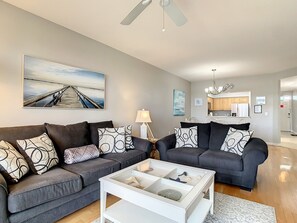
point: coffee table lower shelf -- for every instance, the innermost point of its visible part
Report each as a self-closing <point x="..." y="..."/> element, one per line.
<point x="126" y="212"/>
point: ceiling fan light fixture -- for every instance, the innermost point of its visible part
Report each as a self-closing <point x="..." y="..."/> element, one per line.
<point x="145" y="2"/>
<point x="164" y="3"/>
<point x="171" y="9"/>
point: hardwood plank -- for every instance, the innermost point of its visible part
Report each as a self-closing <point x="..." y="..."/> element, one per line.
<point x="276" y="187"/>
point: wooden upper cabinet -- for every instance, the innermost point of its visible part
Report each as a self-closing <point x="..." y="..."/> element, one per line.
<point x="224" y="104"/>
<point x="217" y="104"/>
<point x="244" y="100"/>
<point x="239" y="100"/>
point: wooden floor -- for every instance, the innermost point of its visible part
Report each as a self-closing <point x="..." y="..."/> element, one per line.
<point x="276" y="186"/>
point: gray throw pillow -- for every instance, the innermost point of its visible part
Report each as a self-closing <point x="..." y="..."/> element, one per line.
<point x="236" y="140"/>
<point x="186" y="137"/>
<point x="80" y="154"/>
<point x="39" y="152"/>
<point x="12" y="164"/>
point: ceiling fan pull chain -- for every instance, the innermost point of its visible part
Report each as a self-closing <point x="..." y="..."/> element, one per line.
<point x="163" y="28"/>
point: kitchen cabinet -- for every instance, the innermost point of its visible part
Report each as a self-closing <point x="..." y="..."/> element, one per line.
<point x="239" y="100"/>
<point x="217" y="104"/>
<point x="221" y="104"/>
<point x="224" y="104"/>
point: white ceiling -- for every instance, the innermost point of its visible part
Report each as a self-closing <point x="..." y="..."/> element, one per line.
<point x="237" y="37"/>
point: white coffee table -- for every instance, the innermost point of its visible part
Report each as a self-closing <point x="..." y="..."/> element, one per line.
<point x="143" y="204"/>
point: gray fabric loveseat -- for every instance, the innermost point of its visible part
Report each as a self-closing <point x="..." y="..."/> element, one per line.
<point x="231" y="168"/>
<point x="64" y="188"/>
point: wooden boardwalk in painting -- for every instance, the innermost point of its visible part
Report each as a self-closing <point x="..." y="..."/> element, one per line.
<point x="69" y="99"/>
<point x="66" y="97"/>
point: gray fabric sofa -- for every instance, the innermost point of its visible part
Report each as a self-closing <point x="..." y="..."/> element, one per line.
<point x="230" y="168"/>
<point x="64" y="188"/>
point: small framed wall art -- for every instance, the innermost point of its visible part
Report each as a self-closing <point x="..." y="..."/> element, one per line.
<point x="179" y="101"/>
<point x="260" y="100"/>
<point x="198" y="102"/>
<point x="257" y="109"/>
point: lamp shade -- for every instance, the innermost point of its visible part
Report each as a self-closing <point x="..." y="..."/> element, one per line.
<point x="143" y="116"/>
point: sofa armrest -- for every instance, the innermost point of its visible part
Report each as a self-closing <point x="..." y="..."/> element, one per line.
<point x="143" y="145"/>
<point x="3" y="183"/>
<point x="164" y="144"/>
<point x="3" y="200"/>
<point x="255" y="152"/>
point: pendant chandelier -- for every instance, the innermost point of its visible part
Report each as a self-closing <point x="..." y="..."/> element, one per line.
<point x="214" y="90"/>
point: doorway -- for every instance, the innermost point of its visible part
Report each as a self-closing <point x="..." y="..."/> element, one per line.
<point x="288" y="112"/>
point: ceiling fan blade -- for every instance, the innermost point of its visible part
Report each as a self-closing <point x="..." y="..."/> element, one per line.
<point x="173" y="12"/>
<point x="136" y="12"/>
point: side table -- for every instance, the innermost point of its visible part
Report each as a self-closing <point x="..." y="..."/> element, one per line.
<point x="154" y="153"/>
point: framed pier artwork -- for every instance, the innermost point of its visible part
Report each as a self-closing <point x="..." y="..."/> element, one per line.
<point x="53" y="85"/>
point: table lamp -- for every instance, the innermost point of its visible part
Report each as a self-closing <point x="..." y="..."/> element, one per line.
<point x="143" y="116"/>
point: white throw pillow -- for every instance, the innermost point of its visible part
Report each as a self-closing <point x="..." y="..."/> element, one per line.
<point x="186" y="137"/>
<point x="236" y="140"/>
<point x="39" y="152"/>
<point x="111" y="140"/>
<point x="12" y="164"/>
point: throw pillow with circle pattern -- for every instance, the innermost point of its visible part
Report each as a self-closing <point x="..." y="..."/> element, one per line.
<point x="236" y="140"/>
<point x="128" y="137"/>
<point x="12" y="164"/>
<point x="111" y="140"/>
<point x="39" y="152"/>
<point x="186" y="137"/>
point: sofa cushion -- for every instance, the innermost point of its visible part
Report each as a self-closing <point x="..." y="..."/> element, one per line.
<point x="38" y="189"/>
<point x="185" y="155"/>
<point x="126" y="159"/>
<point x="203" y="133"/>
<point x="12" y="134"/>
<point x="12" y="164"/>
<point x="211" y="159"/>
<point x="68" y="136"/>
<point x="39" y="152"/>
<point x="92" y="170"/>
<point x="94" y="130"/>
<point x="219" y="131"/>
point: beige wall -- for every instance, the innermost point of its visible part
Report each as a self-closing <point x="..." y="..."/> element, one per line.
<point x="267" y="124"/>
<point x="294" y="111"/>
<point x="130" y="83"/>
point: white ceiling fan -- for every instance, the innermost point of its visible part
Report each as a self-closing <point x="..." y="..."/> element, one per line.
<point x="168" y="6"/>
